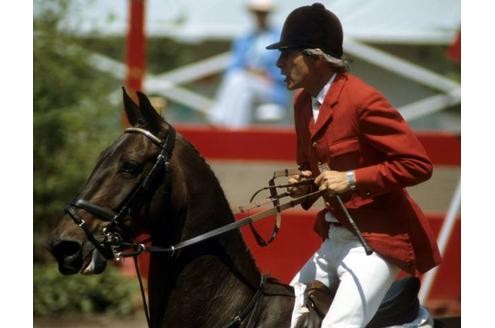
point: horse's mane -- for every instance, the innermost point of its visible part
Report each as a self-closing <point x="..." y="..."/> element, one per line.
<point x="194" y="150"/>
<point x="193" y="153"/>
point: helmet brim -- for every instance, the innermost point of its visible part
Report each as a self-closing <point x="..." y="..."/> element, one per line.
<point x="273" y="46"/>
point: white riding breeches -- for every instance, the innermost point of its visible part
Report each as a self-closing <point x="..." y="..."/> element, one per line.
<point x="363" y="280"/>
<point x="239" y="93"/>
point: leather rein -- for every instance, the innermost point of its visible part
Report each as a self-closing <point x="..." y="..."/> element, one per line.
<point x="112" y="243"/>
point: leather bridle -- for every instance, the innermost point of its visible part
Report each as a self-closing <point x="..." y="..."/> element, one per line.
<point x="113" y="232"/>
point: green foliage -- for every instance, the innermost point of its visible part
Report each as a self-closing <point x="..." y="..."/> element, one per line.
<point x="108" y="292"/>
<point x="73" y="117"/>
<point x="74" y="120"/>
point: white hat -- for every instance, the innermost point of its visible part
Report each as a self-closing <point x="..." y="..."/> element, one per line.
<point x="260" y="5"/>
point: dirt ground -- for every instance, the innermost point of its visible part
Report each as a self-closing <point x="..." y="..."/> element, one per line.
<point x="92" y="321"/>
<point x="139" y="321"/>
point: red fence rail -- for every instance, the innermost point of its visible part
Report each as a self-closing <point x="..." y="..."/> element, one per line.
<point x="278" y="144"/>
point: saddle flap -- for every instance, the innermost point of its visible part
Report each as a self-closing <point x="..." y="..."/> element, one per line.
<point x="400" y="305"/>
<point x="318" y="297"/>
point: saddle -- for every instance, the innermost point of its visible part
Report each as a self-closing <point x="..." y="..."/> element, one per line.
<point x="399" y="306"/>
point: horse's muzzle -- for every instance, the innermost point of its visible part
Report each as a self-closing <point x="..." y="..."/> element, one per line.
<point x="68" y="254"/>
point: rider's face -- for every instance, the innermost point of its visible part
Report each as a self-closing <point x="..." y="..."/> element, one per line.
<point x="299" y="69"/>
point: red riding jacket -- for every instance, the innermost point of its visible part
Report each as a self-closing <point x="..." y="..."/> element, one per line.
<point x="357" y="129"/>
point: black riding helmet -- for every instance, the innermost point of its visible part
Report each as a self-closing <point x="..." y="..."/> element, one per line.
<point x="312" y="27"/>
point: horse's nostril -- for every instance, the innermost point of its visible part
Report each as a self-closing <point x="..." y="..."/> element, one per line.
<point x="66" y="248"/>
<point x="69" y="256"/>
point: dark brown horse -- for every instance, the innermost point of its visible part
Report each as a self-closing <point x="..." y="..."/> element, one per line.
<point x="205" y="285"/>
<point x="152" y="180"/>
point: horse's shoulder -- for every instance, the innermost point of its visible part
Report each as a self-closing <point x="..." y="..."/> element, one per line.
<point x="274" y="287"/>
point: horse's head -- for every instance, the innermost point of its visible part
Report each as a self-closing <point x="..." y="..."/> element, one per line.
<point x="126" y="189"/>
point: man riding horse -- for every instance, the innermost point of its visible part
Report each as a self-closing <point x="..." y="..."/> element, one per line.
<point x="201" y="274"/>
<point x="358" y="147"/>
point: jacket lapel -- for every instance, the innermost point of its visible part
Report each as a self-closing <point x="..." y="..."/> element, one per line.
<point x="331" y="98"/>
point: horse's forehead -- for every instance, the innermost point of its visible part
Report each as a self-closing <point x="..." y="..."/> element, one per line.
<point x="133" y="145"/>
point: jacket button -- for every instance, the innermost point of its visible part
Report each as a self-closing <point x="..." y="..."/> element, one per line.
<point x="315" y="144"/>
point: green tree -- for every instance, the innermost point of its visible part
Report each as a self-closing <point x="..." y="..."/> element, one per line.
<point x="74" y="118"/>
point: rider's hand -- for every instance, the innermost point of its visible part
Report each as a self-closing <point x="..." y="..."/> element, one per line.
<point x="301" y="190"/>
<point x="334" y="182"/>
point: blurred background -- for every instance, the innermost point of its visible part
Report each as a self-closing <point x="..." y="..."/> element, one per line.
<point x="179" y="52"/>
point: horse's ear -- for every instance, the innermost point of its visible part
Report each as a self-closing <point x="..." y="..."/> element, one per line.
<point x="131" y="108"/>
<point x="150" y="115"/>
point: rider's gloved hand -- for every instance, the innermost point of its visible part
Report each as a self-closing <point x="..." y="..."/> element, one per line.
<point x="300" y="190"/>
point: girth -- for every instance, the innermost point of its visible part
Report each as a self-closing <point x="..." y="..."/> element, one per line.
<point x="253" y="307"/>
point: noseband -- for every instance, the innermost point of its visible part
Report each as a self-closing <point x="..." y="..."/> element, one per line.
<point x="113" y="231"/>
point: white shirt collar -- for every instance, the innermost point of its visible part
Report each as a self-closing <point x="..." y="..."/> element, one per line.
<point x="318" y="100"/>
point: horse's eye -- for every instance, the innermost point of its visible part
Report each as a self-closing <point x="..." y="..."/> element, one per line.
<point x="130" y="168"/>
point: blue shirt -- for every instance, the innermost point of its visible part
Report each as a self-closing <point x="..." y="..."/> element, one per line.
<point x="249" y="51"/>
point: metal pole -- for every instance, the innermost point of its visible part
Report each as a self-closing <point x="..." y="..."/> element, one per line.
<point x="135" y="50"/>
<point x="442" y="240"/>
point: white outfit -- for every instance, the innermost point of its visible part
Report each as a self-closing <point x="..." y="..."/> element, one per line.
<point x="363" y="280"/>
<point x="239" y="93"/>
<point x="244" y="96"/>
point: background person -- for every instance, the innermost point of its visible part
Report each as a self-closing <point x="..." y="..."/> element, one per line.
<point x="252" y="87"/>
<point x="346" y="125"/>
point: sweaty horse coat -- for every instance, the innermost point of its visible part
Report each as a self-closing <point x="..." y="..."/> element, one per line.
<point x="357" y="129"/>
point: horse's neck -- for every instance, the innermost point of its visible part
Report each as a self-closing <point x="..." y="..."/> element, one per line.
<point x="197" y="289"/>
<point x="198" y="284"/>
<point x="208" y="209"/>
<point x="203" y="286"/>
<point x="206" y="294"/>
